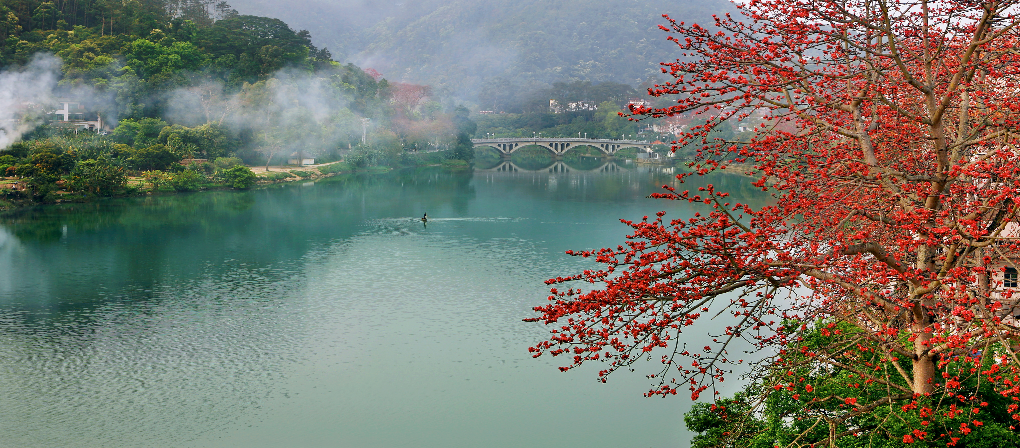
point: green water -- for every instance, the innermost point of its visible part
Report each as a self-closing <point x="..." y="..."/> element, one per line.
<point x="317" y="315"/>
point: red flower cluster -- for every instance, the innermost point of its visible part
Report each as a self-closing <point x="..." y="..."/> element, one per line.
<point x="886" y="133"/>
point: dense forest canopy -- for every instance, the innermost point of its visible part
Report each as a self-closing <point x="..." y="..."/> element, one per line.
<point x="136" y="58"/>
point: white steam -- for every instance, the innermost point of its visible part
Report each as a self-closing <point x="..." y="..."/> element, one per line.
<point x="25" y="94"/>
<point x="292" y="111"/>
<point x="29" y="93"/>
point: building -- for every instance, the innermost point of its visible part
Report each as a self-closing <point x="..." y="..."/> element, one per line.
<point x="74" y="114"/>
<point x="299" y="158"/>
<point x="639" y="103"/>
<point x="1004" y="274"/>
<point x="575" y="106"/>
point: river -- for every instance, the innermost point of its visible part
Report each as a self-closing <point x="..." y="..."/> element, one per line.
<point x="319" y="314"/>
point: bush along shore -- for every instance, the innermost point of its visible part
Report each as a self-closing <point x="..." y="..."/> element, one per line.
<point x="87" y="168"/>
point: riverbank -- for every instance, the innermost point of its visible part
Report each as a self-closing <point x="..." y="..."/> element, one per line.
<point x="14" y="190"/>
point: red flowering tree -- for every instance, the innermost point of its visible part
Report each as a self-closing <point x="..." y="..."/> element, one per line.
<point x="891" y="149"/>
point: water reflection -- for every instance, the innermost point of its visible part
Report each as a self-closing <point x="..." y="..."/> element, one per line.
<point x="312" y="315"/>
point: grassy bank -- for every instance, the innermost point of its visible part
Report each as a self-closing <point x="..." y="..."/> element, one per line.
<point x="15" y="192"/>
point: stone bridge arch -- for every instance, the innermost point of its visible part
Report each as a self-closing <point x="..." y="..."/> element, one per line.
<point x="559" y="146"/>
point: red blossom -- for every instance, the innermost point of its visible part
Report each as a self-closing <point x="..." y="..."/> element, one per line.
<point x="886" y="135"/>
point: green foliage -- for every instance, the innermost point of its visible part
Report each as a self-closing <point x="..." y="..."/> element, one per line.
<point x="208" y="141"/>
<point x="154" y="157"/>
<point x="48" y="163"/>
<point x="7" y="161"/>
<point x="299" y="173"/>
<point x="254" y="47"/>
<point x="226" y="162"/>
<point x="333" y="168"/>
<point x="801" y="398"/>
<point x="44" y="169"/>
<point x="97" y="177"/>
<point x="275" y="176"/>
<point x="186" y="180"/>
<point x="138" y="52"/>
<point x="17" y="150"/>
<point x="139" y="133"/>
<point x="203" y="167"/>
<point x="463" y="149"/>
<point x="162" y="61"/>
<point x="87" y="145"/>
<point x="720" y="424"/>
<point x="362" y="157"/>
<point x="615" y="125"/>
<point x="157" y="180"/>
<point x="238" y="176"/>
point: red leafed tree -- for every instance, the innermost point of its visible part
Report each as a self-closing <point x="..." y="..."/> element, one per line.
<point x="408" y="97"/>
<point x="892" y="154"/>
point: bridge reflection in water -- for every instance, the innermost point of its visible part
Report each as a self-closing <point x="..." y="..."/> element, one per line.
<point x="557" y="166"/>
<point x="610" y="180"/>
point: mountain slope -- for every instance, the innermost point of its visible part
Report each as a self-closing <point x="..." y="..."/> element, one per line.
<point x="463" y="46"/>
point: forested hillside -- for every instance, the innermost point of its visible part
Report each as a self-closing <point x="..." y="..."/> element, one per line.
<point x="137" y="49"/>
<point x="482" y="50"/>
<point x="161" y="81"/>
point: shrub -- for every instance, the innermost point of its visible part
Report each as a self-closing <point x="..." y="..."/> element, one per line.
<point x="334" y="168"/>
<point x="301" y="173"/>
<point x="157" y="179"/>
<point x="276" y="176"/>
<point x="97" y="177"/>
<point x="43" y="170"/>
<point x="187" y="180"/>
<point x="238" y="176"/>
<point x="17" y="150"/>
<point x="52" y="163"/>
<point x="227" y="162"/>
<point x="154" y="157"/>
<point x="203" y="167"/>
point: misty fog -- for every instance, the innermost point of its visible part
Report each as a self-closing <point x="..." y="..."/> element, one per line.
<point x="461" y="46"/>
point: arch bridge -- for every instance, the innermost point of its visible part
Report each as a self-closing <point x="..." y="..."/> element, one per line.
<point x="559" y="146"/>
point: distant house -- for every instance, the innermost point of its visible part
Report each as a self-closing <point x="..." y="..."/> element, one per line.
<point x="575" y="106"/>
<point x="74" y="114"/>
<point x="1004" y="269"/>
<point x="299" y="158"/>
<point x="674" y="125"/>
<point x="639" y="103"/>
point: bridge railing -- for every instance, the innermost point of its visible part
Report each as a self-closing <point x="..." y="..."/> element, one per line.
<point x="553" y="139"/>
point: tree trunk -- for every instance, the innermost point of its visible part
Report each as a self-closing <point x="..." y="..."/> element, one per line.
<point x="923" y="364"/>
<point x="924" y="369"/>
<point x="269" y="159"/>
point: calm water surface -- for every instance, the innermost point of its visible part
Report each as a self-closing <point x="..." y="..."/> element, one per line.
<point x="317" y="315"/>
